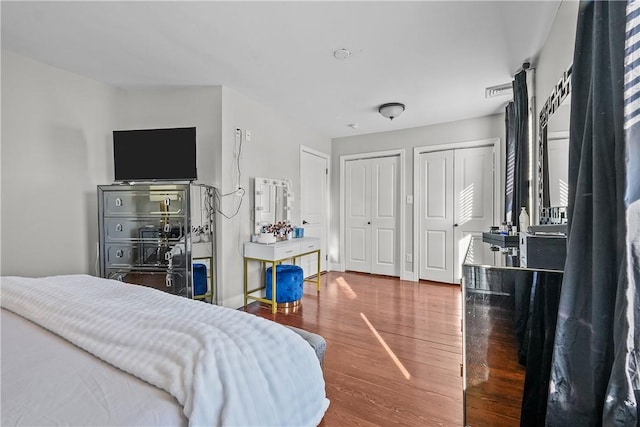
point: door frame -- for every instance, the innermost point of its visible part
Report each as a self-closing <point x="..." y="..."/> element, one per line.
<point x="327" y="211"/>
<point x="401" y="202"/>
<point x="498" y="173"/>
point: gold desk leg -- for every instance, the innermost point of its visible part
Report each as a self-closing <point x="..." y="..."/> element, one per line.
<point x="245" y="282"/>
<point x="318" y="276"/>
<point x="274" y="306"/>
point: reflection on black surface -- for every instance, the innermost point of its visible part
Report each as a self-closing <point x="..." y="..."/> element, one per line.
<point x="509" y="323"/>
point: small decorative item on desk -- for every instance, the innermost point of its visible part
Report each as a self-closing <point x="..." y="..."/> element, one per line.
<point x="281" y="230"/>
<point x="298" y="232"/>
<point x="266" y="238"/>
<point x="196" y="234"/>
<point x="206" y="236"/>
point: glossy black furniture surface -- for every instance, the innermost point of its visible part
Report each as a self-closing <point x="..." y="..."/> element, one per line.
<point x="509" y="316"/>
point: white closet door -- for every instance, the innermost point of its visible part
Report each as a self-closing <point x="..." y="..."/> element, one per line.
<point x="384" y="218"/>
<point x="358" y="215"/>
<point x="456" y="202"/>
<point x="474" y="199"/>
<point x="436" y="216"/>
<point x="371" y="217"/>
<point x="313" y="206"/>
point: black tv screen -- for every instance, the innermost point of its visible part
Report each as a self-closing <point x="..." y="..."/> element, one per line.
<point x="155" y="154"/>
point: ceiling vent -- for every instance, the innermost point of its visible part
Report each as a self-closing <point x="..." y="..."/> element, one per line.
<point x="500" y="90"/>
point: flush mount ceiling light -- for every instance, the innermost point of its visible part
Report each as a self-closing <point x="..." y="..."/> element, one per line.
<point x="341" y="54"/>
<point x="391" y="110"/>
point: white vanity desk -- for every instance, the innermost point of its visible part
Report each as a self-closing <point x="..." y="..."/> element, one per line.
<point x="274" y="254"/>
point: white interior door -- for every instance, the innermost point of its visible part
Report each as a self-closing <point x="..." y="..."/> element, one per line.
<point x="371" y="215"/>
<point x="474" y="199"/>
<point x="384" y="216"/>
<point x="314" y="199"/>
<point x="436" y="216"/>
<point x="358" y="215"/>
<point x="456" y="201"/>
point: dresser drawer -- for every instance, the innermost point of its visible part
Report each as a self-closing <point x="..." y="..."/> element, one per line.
<point x="121" y="229"/>
<point x="135" y="202"/>
<point x="309" y="245"/>
<point x="286" y="250"/>
<point x="150" y="254"/>
<point x="174" y="282"/>
<point x="281" y="250"/>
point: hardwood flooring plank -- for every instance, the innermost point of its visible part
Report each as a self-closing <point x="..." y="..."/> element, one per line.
<point x="418" y="322"/>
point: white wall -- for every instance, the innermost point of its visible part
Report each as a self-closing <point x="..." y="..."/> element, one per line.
<point x="179" y="107"/>
<point x="273" y="152"/>
<point x="557" y="53"/>
<point x="459" y="131"/>
<point x="57" y="147"/>
<point x="56" y="139"/>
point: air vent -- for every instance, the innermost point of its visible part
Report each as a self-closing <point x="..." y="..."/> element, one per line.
<point x="500" y="90"/>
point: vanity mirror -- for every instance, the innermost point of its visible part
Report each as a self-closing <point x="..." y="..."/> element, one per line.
<point x="271" y="201"/>
<point x="553" y="152"/>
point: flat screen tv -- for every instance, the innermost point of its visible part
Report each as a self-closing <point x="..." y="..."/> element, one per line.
<point x="155" y="154"/>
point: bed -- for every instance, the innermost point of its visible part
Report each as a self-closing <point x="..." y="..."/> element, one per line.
<point x="81" y="350"/>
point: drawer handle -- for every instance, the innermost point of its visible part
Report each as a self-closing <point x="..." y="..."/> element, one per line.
<point x="167" y="201"/>
<point x="118" y="227"/>
<point x="310" y="246"/>
<point x="118" y="201"/>
<point x="288" y="252"/>
<point x="119" y="253"/>
<point x="167" y="228"/>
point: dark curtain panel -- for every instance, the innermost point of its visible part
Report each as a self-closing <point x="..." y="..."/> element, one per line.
<point x="587" y="388"/>
<point x="510" y="126"/>
<point x="517" y="169"/>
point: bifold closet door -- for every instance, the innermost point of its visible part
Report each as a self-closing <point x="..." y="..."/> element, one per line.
<point x="474" y="199"/>
<point x="456" y="201"/>
<point x="436" y="216"/>
<point x="372" y="187"/>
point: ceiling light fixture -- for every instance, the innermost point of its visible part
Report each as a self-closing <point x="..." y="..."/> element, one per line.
<point x="341" y="54"/>
<point x="391" y="110"/>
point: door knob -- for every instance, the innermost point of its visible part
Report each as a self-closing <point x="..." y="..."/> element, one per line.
<point x="455" y="225"/>
<point x="304" y="222"/>
<point x="368" y="222"/>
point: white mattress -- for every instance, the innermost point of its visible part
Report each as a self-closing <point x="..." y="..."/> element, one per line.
<point x="48" y="381"/>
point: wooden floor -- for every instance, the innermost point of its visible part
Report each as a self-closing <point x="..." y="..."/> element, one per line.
<point x="394" y="349"/>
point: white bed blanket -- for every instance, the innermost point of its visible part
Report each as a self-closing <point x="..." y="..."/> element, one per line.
<point x="225" y="367"/>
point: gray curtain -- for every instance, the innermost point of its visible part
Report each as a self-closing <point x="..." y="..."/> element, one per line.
<point x="517" y="152"/>
<point x="594" y="375"/>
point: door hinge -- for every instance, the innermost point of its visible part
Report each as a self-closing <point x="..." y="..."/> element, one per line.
<point x="326" y="171"/>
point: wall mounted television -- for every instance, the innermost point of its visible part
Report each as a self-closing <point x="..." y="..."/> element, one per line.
<point x="155" y="154"/>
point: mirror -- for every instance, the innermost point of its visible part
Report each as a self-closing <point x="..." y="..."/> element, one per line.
<point x="271" y="201"/>
<point x="553" y="154"/>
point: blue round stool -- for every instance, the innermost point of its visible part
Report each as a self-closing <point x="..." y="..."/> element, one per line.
<point x="289" y="282"/>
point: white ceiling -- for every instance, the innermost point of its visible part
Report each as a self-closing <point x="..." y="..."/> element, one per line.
<point x="436" y="57"/>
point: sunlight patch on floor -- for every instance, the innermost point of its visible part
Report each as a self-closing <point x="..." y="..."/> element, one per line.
<point x="344" y="286"/>
<point x="391" y="354"/>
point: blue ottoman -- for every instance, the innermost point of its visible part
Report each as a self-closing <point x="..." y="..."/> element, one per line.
<point x="289" y="282"/>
